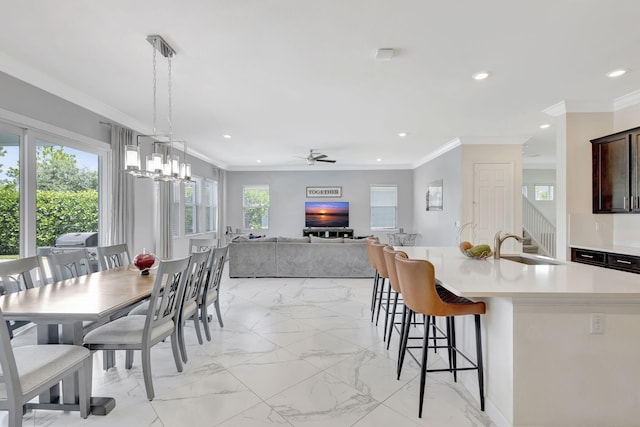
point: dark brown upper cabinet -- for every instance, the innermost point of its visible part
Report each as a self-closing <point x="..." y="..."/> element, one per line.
<point x="616" y="172"/>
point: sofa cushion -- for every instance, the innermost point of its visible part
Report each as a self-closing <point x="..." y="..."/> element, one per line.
<point x="315" y="239"/>
<point x="294" y="239"/>
<point x="245" y="239"/>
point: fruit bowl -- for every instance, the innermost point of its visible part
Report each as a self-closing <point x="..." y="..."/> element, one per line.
<point x="476" y="252"/>
<point x="144" y="262"/>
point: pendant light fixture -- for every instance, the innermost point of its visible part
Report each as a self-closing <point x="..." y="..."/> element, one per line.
<point x="162" y="164"/>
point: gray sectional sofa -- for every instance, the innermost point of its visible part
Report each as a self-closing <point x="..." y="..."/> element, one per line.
<point x="299" y="257"/>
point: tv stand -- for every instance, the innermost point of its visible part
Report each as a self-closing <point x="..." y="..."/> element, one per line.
<point x="328" y="232"/>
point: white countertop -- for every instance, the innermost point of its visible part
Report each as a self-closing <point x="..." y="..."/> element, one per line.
<point x="503" y="278"/>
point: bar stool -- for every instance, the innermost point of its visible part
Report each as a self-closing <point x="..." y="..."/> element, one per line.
<point x="390" y="260"/>
<point x="418" y="284"/>
<point x="383" y="273"/>
<point x="376" y="276"/>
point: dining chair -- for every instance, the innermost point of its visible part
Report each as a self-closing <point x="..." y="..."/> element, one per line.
<point x="113" y="256"/>
<point x="199" y="245"/>
<point x="196" y="277"/>
<point x="211" y="289"/>
<point x="17" y="275"/>
<point x="141" y="332"/>
<point x="30" y="370"/>
<point x="69" y="265"/>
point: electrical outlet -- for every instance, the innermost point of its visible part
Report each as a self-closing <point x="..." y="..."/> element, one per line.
<point x="597" y="323"/>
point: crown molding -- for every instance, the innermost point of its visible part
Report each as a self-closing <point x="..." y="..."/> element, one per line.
<point x="626" y="101"/>
<point x="27" y="74"/>
<point x="564" y="107"/>
<point x="455" y="142"/>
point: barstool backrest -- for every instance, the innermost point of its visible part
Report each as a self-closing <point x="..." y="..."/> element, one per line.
<point x="372" y="258"/>
<point x="378" y="254"/>
<point x="390" y="262"/>
<point x="417" y="280"/>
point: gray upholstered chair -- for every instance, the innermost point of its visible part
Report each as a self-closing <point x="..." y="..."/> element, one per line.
<point x="68" y="265"/>
<point x="30" y="370"/>
<point x="196" y="277"/>
<point x="211" y="290"/>
<point x="113" y="256"/>
<point x="141" y="332"/>
<point x="199" y="245"/>
<point x="17" y="275"/>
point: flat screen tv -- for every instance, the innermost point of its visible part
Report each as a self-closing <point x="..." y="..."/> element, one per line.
<point x="326" y="214"/>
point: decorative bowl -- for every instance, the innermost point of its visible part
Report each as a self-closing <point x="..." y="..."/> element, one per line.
<point x="144" y="262"/>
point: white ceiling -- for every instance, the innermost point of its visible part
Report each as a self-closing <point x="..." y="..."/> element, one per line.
<point x="284" y="76"/>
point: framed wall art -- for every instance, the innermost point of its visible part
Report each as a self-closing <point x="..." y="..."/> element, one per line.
<point x="434" y="196"/>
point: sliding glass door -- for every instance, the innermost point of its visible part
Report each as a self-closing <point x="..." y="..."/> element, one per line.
<point x="10" y="140"/>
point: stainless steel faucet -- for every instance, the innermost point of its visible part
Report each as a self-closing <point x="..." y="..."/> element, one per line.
<point x="498" y="240"/>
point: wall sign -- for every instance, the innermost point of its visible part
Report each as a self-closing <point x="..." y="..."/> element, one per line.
<point x="324" y="192"/>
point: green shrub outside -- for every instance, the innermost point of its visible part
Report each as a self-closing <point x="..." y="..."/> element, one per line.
<point x="57" y="213"/>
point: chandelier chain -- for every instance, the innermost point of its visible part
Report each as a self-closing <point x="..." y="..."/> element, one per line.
<point x="155" y="85"/>
<point x="169" y="115"/>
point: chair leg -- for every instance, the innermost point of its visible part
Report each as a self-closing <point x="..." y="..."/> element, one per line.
<point x="146" y="372"/>
<point x="196" y="325"/>
<point x="405" y="340"/>
<point x="176" y="352"/>
<point x="217" y="306"/>
<point x="402" y="326"/>
<point x="454" y="352"/>
<point x="423" y="365"/>
<point x="183" y="347"/>
<point x="435" y="338"/>
<point x="205" y="321"/>
<point x="128" y="363"/>
<point x="386" y="314"/>
<point x="449" y="346"/>
<point x="380" y="300"/>
<point x="15" y="414"/>
<point x="374" y="293"/>
<point x="479" y="361"/>
<point x="393" y="319"/>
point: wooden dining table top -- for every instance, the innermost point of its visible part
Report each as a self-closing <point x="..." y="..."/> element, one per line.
<point x="87" y="298"/>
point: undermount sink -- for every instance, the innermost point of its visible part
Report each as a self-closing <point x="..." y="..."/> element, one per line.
<point x="530" y="260"/>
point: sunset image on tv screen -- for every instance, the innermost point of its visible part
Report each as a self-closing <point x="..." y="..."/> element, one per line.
<point x="326" y="214"/>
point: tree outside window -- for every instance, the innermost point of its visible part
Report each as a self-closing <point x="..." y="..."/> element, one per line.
<point x="543" y="192"/>
<point x="210" y="205"/>
<point x="255" y="206"/>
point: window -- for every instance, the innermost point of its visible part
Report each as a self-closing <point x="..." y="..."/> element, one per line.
<point x="175" y="217"/>
<point x="9" y="194"/>
<point x="543" y="192"/>
<point x="191" y="202"/>
<point x="210" y="205"/>
<point x="255" y="206"/>
<point x="384" y="207"/>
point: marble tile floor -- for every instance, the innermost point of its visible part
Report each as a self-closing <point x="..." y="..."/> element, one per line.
<point x="293" y="352"/>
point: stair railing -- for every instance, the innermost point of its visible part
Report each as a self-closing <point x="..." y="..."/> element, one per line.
<point x="542" y="232"/>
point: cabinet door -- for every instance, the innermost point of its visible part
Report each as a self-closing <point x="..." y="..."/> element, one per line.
<point x="611" y="174"/>
<point x="635" y="172"/>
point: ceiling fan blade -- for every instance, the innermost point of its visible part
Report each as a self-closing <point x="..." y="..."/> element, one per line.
<point x="319" y="156"/>
<point x="326" y="161"/>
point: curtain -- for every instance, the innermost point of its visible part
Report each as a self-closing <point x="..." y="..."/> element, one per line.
<point x="222" y="203"/>
<point x="163" y="215"/>
<point x="121" y="221"/>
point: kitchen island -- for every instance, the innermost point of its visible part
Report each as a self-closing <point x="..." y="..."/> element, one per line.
<point x="561" y="342"/>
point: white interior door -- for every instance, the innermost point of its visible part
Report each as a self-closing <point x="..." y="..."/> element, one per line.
<point x="493" y="195"/>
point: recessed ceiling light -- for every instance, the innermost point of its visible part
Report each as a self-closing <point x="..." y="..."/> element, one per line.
<point x="226" y="135"/>
<point x="378" y="160"/>
<point x="480" y="75"/>
<point x="258" y="161"/>
<point x="616" y="73"/>
<point x="544" y="126"/>
<point x="402" y="134"/>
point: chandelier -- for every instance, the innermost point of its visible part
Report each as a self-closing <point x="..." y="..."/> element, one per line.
<point x="162" y="164"/>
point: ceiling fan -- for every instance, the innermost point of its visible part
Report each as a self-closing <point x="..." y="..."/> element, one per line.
<point x="314" y="157"/>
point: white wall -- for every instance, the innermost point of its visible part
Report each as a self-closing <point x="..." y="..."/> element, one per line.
<point x="438" y="228"/>
<point x="287" y="191"/>
<point x="533" y="177"/>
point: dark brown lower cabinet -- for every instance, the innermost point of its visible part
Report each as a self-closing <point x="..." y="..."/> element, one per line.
<point x="622" y="262"/>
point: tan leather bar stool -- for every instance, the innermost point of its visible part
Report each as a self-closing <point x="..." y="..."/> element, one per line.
<point x="390" y="254"/>
<point x="378" y="254"/>
<point x="376" y="277"/>
<point x="418" y="284"/>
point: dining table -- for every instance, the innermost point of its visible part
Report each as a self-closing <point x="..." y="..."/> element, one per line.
<point x="64" y="311"/>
